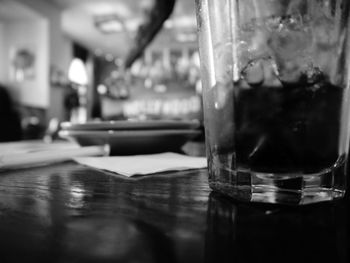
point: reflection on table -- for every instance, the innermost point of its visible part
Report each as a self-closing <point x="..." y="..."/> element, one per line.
<point x="69" y="213"/>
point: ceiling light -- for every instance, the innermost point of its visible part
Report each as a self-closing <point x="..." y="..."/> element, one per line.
<point x="109" y="57"/>
<point x="98" y="52"/>
<point x="102" y="89"/>
<point x="77" y="72"/>
<point x="186" y="37"/>
<point x="109" y="24"/>
<point x="100" y="8"/>
<point x="181" y="22"/>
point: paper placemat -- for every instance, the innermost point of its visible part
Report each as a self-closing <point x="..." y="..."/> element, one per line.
<point x="144" y="164"/>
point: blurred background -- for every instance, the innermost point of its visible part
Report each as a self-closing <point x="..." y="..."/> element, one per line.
<point x="62" y="60"/>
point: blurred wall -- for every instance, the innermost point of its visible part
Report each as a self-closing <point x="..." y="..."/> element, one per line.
<point x="60" y="52"/>
<point x="33" y="36"/>
<point x="41" y="33"/>
<point x="2" y="68"/>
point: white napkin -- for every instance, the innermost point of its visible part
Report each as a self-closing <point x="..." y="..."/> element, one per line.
<point x="144" y="164"/>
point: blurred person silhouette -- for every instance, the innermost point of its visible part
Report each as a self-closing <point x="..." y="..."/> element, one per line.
<point x="10" y="127"/>
<point x="70" y="101"/>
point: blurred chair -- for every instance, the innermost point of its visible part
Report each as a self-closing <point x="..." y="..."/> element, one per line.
<point x="10" y="121"/>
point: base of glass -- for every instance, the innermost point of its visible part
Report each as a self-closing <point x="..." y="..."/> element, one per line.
<point x="289" y="189"/>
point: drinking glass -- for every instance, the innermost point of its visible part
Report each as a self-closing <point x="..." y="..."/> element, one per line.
<point x="275" y="76"/>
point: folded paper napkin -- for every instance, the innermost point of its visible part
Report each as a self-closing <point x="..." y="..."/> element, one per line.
<point x="144" y="164"/>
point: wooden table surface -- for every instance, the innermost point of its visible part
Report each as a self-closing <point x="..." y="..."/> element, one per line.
<point x="69" y="213"/>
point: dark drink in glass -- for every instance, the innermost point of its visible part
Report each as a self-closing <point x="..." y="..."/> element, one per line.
<point x="276" y="98"/>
